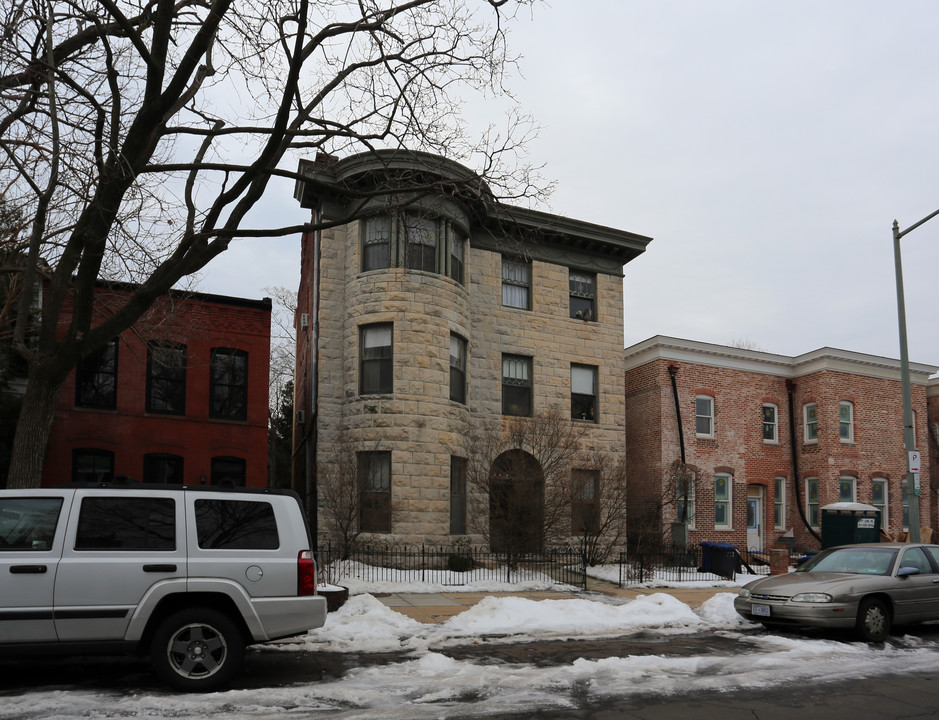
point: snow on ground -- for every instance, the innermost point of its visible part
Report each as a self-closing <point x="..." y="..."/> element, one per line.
<point x="424" y="683"/>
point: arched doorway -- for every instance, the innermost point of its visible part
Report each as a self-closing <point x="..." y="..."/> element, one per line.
<point x="516" y="503"/>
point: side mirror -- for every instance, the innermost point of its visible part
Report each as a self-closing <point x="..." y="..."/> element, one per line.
<point x="907" y="571"/>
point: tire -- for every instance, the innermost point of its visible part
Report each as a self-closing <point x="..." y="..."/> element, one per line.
<point x="197" y="650"/>
<point x="873" y="620"/>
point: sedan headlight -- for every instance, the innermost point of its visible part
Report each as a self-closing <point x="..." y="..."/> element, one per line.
<point x="744" y="593"/>
<point x="812" y="597"/>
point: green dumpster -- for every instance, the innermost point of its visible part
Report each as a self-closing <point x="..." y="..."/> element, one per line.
<point x="847" y="523"/>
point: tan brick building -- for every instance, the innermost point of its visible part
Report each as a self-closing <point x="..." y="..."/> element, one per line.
<point x="773" y="438"/>
<point x="427" y="318"/>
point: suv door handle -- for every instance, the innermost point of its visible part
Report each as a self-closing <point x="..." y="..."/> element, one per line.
<point x="159" y="568"/>
<point x="27" y="569"/>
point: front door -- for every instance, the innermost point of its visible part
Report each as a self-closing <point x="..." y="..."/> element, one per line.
<point x="755" y="537"/>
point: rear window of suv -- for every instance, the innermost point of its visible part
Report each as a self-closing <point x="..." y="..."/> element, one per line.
<point x="28" y="523"/>
<point x="126" y="523"/>
<point x="236" y="525"/>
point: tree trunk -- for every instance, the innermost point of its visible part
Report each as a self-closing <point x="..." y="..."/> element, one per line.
<point x="33" y="431"/>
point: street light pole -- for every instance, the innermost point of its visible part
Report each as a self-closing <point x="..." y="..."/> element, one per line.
<point x="911" y="491"/>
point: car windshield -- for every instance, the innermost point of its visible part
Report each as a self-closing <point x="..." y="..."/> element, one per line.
<point x="862" y="561"/>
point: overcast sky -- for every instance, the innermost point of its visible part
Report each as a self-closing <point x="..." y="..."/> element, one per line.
<point x="767" y="147"/>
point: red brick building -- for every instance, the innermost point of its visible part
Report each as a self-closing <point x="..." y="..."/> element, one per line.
<point x="181" y="397"/>
<point x="772" y="439"/>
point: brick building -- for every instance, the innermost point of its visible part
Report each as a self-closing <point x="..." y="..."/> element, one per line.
<point x="437" y="315"/>
<point x="772" y="438"/>
<point x="180" y="397"/>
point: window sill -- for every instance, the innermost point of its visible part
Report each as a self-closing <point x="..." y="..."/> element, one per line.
<point x="771" y="442"/>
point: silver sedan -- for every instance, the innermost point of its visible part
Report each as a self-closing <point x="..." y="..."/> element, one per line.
<point x="868" y="587"/>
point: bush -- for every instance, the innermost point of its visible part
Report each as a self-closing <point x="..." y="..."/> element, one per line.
<point x="459" y="563"/>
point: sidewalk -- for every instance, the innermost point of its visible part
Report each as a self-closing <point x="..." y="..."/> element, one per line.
<point x="440" y="606"/>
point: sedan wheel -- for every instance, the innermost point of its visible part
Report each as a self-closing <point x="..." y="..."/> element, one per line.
<point x="873" y="620"/>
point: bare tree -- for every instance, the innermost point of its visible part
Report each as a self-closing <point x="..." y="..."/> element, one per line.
<point x="598" y="495"/>
<point x="661" y="515"/>
<point x="137" y="135"/>
<point x="283" y="340"/>
<point x="519" y="480"/>
<point x="343" y="491"/>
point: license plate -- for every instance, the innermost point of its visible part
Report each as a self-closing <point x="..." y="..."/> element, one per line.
<point x="761" y="610"/>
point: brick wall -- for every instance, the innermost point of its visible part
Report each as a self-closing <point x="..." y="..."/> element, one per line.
<point x="200" y="322"/>
<point x="740" y="383"/>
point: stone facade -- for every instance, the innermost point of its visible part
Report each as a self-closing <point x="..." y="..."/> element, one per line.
<point x="857" y="443"/>
<point x="416" y="421"/>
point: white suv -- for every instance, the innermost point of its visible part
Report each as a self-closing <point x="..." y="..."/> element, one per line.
<point x="187" y="574"/>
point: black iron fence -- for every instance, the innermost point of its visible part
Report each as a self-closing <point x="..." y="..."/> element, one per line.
<point x="688" y="564"/>
<point x="449" y="565"/>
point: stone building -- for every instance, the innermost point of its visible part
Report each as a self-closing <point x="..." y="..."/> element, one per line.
<point x="428" y="313"/>
<point x="772" y="439"/>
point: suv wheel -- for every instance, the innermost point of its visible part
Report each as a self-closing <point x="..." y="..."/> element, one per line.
<point x="197" y="650"/>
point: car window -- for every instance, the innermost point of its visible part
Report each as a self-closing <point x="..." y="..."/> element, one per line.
<point x="861" y="561"/>
<point x="126" y="523"/>
<point x="236" y="525"/>
<point x="916" y="558"/>
<point x="28" y="523"/>
<point x="934" y="552"/>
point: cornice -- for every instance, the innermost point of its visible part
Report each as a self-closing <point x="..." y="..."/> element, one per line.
<point x="829" y="359"/>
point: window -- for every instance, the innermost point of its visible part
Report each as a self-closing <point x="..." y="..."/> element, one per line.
<point x="420" y="238"/>
<point x="704" y="416"/>
<point x="847" y="489"/>
<point x="376" y="244"/>
<point x="584" y="392"/>
<point x="126" y="523"/>
<point x="376" y="359"/>
<point x="685" y="498"/>
<point x="585" y="512"/>
<point x="722" y="500"/>
<point x="457" y="495"/>
<point x="163" y="468"/>
<point x="413" y="241"/>
<point x="846" y="421"/>
<point x="811" y="501"/>
<point x="90" y="465"/>
<point x="236" y="525"/>
<point x="770" y="423"/>
<point x="583" y="295"/>
<point x="810" y="416"/>
<point x="166" y="379"/>
<point x="457" y="369"/>
<point x="779" y="503"/>
<point x="457" y="255"/>
<point x="96" y="378"/>
<point x="228" y="384"/>
<point x="374" y="474"/>
<point x="228" y="471"/>
<point x="516" y="284"/>
<point x="28" y="523"/>
<point x="516" y="385"/>
<point x="879" y="499"/>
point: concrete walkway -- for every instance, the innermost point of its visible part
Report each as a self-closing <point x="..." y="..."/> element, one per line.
<point x="440" y="606"/>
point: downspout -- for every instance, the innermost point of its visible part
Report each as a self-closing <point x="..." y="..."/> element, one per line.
<point x="673" y="372"/>
<point x="790" y="388"/>
<point x="312" y="437"/>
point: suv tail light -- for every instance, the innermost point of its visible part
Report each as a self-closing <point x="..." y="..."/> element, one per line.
<point x="306" y="573"/>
